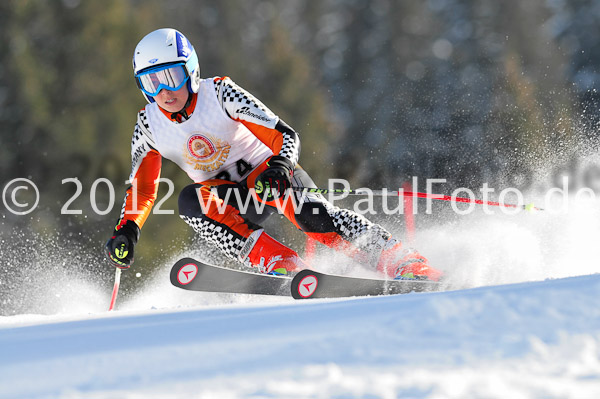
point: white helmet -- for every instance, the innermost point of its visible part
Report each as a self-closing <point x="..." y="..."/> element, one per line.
<point x="153" y="58"/>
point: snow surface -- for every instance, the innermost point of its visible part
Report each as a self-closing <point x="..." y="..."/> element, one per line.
<point x="528" y="327"/>
<point x="539" y="339"/>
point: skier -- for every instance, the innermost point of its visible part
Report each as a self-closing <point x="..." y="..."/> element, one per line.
<point x="226" y="140"/>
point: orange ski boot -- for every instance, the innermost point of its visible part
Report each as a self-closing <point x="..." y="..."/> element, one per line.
<point x="402" y="263"/>
<point x="270" y="256"/>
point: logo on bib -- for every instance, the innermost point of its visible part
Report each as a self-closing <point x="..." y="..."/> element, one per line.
<point x="206" y="153"/>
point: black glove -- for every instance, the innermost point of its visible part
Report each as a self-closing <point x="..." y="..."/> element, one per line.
<point x="276" y="179"/>
<point x="119" y="248"/>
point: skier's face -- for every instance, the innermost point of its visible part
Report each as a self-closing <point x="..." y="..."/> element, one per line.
<point x="172" y="101"/>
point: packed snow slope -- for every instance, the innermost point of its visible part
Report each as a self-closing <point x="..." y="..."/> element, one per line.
<point x="526" y="340"/>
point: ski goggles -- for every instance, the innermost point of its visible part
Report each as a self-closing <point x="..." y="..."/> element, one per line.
<point x="171" y="77"/>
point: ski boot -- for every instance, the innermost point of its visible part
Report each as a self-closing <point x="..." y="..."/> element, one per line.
<point x="270" y="256"/>
<point x="402" y="263"/>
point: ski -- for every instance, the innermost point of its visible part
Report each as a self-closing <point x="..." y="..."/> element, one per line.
<point x="190" y="274"/>
<point x="310" y="284"/>
<point x="193" y="275"/>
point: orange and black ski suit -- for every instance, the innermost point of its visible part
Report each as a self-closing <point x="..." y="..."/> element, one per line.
<point x="223" y="143"/>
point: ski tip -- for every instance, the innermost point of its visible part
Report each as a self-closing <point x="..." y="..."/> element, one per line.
<point x="305" y="284"/>
<point x="184" y="272"/>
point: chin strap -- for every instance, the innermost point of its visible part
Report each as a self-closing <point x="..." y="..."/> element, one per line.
<point x="182" y="116"/>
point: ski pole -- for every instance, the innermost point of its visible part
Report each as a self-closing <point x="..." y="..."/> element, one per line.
<point x="113" y="298"/>
<point x="439" y="197"/>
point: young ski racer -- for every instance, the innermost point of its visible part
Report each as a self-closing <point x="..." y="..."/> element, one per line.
<point x="226" y="140"/>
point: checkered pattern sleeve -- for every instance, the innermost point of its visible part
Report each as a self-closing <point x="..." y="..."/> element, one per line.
<point x="141" y="143"/>
<point x="146" y="164"/>
<point x="242" y="106"/>
<point x="290" y="147"/>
